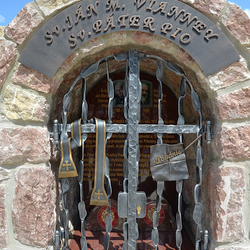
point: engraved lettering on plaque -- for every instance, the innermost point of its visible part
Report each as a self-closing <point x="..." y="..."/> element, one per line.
<point x="185" y="38"/>
<point x="72" y="41"/>
<point x="152" y="2"/>
<point x="174" y="11"/>
<point x="70" y="21"/>
<point x="112" y="4"/>
<point x="187" y="17"/>
<point x="178" y="30"/>
<point x="210" y="34"/>
<point x="140" y="3"/>
<point x="148" y="22"/>
<point x="121" y="19"/>
<point x="56" y="30"/>
<point x="134" y="21"/>
<point x="166" y="27"/>
<point x="199" y="26"/>
<point x="92" y="9"/>
<point x="162" y="8"/>
<point x="97" y="26"/>
<point x="110" y="22"/>
<point x="79" y="14"/>
<point x="49" y="37"/>
<point x="81" y="35"/>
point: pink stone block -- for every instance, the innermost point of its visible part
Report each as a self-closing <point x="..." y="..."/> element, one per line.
<point x="3" y="223"/>
<point x="23" y="24"/>
<point x="233" y="143"/>
<point x="19" y="145"/>
<point x="236" y="72"/>
<point x="235" y="105"/>
<point x="238" y="23"/>
<point x="8" y="52"/>
<point x="30" y="78"/>
<point x="226" y="189"/>
<point x="34" y="206"/>
<point x="212" y="7"/>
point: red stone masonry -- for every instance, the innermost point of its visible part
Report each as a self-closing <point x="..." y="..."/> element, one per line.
<point x="238" y="23"/>
<point x="8" y="52"/>
<point x="3" y="225"/>
<point x="233" y="143"/>
<point x="234" y="105"/>
<point x="226" y="186"/>
<point x="212" y="7"/>
<point x="20" y="145"/>
<point x="34" y="206"/>
<point x="23" y="24"/>
<point x="31" y="78"/>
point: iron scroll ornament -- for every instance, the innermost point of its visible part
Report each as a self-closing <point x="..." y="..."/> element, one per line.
<point x="131" y="157"/>
<point x="89" y="19"/>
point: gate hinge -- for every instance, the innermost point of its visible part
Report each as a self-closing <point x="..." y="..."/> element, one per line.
<point x="208" y="133"/>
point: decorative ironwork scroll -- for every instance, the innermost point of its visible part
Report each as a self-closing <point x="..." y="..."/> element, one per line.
<point x="132" y="204"/>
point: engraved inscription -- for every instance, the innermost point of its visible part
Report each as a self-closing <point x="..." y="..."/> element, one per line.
<point x="210" y="34"/>
<point x="79" y="14"/>
<point x="110" y="22"/>
<point x="161" y="159"/>
<point x="112" y="4"/>
<point x="97" y="26"/>
<point x="49" y="37"/>
<point x="152" y="2"/>
<point x="162" y="8"/>
<point x="140" y="3"/>
<point x="56" y="30"/>
<point x="134" y="21"/>
<point x="92" y="9"/>
<point x="70" y="21"/>
<point x="121" y="19"/>
<point x="166" y="27"/>
<point x="115" y="21"/>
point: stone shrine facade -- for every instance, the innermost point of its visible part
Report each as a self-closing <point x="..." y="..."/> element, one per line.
<point x="29" y="101"/>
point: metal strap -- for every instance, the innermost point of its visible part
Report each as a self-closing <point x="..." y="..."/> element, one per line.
<point x="65" y="188"/>
<point x="108" y="224"/>
<point x="81" y="205"/>
<point x="160" y="184"/>
<point x="179" y="184"/>
<point x="99" y="195"/>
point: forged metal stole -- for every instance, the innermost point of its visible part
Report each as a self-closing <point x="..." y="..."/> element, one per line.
<point x="99" y="196"/>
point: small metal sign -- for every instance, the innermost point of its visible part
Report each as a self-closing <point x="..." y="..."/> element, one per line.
<point x="88" y="19"/>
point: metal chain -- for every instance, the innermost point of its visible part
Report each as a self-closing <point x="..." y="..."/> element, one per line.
<point x="179" y="184"/>
<point x="160" y="184"/>
<point x="65" y="188"/>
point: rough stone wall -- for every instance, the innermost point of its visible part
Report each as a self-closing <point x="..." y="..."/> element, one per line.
<point x="27" y="182"/>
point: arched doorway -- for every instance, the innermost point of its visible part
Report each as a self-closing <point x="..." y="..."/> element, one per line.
<point x="228" y="155"/>
<point x="136" y="93"/>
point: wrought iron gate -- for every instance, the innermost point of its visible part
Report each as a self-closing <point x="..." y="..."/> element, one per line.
<point x="131" y="204"/>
